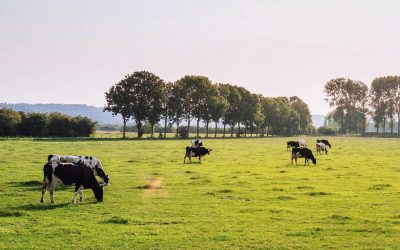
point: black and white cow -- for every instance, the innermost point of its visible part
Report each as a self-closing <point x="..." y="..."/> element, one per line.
<point x="66" y="174"/>
<point x="196" y="152"/>
<point x="89" y="161"/>
<point x="197" y="143"/>
<point x="292" y="144"/>
<point x="326" y="142"/>
<point x="321" y="147"/>
<point x="303" y="153"/>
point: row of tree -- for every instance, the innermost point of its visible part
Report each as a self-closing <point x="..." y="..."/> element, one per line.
<point x="354" y="103"/>
<point x="14" y="123"/>
<point x="145" y="97"/>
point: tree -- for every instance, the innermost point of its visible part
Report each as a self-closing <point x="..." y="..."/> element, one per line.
<point x="193" y="92"/>
<point x="346" y="96"/>
<point x="231" y="116"/>
<point x="302" y="111"/>
<point x="214" y="108"/>
<point x="33" y="124"/>
<point x="176" y="109"/>
<point x="118" y="101"/>
<point x="9" y="121"/>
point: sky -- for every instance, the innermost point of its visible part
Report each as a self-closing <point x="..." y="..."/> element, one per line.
<point x="72" y="52"/>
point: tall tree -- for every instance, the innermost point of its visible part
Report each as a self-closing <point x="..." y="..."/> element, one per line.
<point x="119" y="101"/>
<point x="304" y="116"/>
<point x="231" y="116"/>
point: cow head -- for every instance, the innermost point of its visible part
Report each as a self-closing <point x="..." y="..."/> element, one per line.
<point x="100" y="173"/>
<point x="209" y="150"/>
<point x="314" y="161"/>
<point x="98" y="193"/>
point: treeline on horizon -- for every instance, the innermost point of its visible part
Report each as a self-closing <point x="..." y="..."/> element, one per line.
<point x="147" y="99"/>
<point x="354" y="103"/>
<point x="13" y="123"/>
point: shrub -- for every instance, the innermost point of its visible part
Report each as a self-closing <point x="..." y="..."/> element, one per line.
<point x="326" y="131"/>
<point x="183" y="132"/>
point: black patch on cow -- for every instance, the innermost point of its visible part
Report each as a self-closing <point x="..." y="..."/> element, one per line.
<point x="86" y="157"/>
<point x="49" y="157"/>
<point x="91" y="158"/>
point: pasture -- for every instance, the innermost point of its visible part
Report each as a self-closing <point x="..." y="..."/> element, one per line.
<point x="246" y="194"/>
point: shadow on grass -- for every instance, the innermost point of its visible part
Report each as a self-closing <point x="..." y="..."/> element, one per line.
<point x="32" y="185"/>
<point x="41" y="207"/>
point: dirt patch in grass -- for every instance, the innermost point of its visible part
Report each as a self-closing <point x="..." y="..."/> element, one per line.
<point x="339" y="217"/>
<point x="225" y="191"/>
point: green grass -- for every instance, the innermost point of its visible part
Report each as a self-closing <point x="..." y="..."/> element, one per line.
<point x="246" y="194"/>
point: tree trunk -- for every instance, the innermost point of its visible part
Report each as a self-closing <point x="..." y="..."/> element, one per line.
<point x="165" y="127"/>
<point x="377" y="128"/>
<point x="177" y="130"/>
<point x="152" y="130"/>
<point x="398" y="126"/>
<point x="391" y="125"/>
<point x="384" y="125"/>
<point x="216" y="129"/>
<point x="239" y="129"/>
<point x="231" y="131"/>
<point x="188" y="126"/>
<point x="224" y="130"/>
<point x="124" y="129"/>
<point x="206" y="129"/>
<point x="198" y="127"/>
<point x="139" y="128"/>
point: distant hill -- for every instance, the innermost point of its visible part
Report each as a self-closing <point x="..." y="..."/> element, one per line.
<point x="318" y="120"/>
<point x="94" y="113"/>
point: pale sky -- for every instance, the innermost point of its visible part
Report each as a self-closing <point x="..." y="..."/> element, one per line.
<point x="73" y="51"/>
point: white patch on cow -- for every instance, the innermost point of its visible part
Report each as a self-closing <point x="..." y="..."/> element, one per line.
<point x="302" y="143"/>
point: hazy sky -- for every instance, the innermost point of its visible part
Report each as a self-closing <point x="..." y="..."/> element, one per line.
<point x="73" y="51"/>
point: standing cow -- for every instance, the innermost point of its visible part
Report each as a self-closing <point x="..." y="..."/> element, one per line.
<point x="303" y="153"/>
<point x="321" y="148"/>
<point x="326" y="142"/>
<point x="196" y="152"/>
<point x="66" y="174"/>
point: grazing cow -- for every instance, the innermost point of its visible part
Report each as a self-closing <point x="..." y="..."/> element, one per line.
<point x="292" y="144"/>
<point x="196" y="152"/>
<point x="66" y="174"/>
<point x="326" y="142"/>
<point x="303" y="153"/>
<point x="302" y="143"/>
<point x="321" y="147"/>
<point x="89" y="161"/>
<point x="197" y="143"/>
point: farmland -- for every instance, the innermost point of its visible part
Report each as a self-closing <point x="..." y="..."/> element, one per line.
<point x="246" y="194"/>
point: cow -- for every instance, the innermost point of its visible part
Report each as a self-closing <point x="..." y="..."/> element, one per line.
<point x="303" y="153"/>
<point x="66" y="174"/>
<point x="326" y="142"/>
<point x="196" y="152"/>
<point x="292" y="144"/>
<point x="89" y="161"/>
<point x="302" y="143"/>
<point x="321" y="147"/>
<point x="197" y="143"/>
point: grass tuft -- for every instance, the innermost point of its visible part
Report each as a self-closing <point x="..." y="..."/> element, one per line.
<point x="117" y="220"/>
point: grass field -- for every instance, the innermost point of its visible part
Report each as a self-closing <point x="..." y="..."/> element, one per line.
<point x="246" y="194"/>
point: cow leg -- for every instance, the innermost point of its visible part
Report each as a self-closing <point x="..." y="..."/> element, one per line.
<point x="51" y="189"/>
<point x="190" y="158"/>
<point x="77" y="190"/>
<point x="80" y="195"/>
<point x="44" y="189"/>
<point x="199" y="159"/>
<point x="292" y="159"/>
